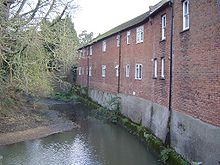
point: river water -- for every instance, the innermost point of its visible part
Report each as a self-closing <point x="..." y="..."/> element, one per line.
<point x="94" y="143"/>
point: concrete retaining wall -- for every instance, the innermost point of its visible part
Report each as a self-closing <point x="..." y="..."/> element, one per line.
<point x="193" y="139"/>
<point x="102" y="98"/>
<point x="144" y="112"/>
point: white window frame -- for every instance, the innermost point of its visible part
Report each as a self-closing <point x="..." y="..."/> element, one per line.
<point x="140" y="34"/>
<point x="185" y="14"/>
<point x="104" y="46"/>
<point x="80" y="71"/>
<point x="90" y="71"/>
<point x="118" y="40"/>
<point x="127" y="70"/>
<point x="83" y="52"/>
<point x="80" y="54"/>
<point x="117" y="70"/>
<point x="138" y="71"/>
<point x="87" y="51"/>
<point x="90" y="50"/>
<point x="103" y="70"/>
<point x="162" y="67"/>
<point x="163" y="28"/>
<point x="155" y="68"/>
<point x="128" y="37"/>
<point x="87" y="70"/>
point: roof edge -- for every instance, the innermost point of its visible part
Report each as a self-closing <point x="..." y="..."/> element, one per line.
<point x="152" y="11"/>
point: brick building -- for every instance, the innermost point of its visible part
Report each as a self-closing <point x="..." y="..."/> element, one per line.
<point x="158" y="75"/>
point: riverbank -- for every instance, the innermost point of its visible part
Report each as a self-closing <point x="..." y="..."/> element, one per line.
<point x="31" y="120"/>
<point x="35" y="133"/>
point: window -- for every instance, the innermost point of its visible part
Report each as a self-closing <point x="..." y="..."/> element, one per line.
<point x="80" y="71"/>
<point x="117" y="70"/>
<point x="80" y="54"/>
<point x="140" y="34"/>
<point x="162" y="67"/>
<point x="103" y="70"/>
<point x="127" y="70"/>
<point x="128" y="37"/>
<point x="90" y="50"/>
<point x="118" y="40"/>
<point x="163" y="27"/>
<point x="155" y="68"/>
<point x="83" y="52"/>
<point x="90" y="71"/>
<point x="185" y="14"/>
<point x="104" y="46"/>
<point x="87" y="70"/>
<point x="138" y="71"/>
<point x="87" y="50"/>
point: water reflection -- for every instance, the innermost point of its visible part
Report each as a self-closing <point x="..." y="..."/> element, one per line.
<point x="95" y="143"/>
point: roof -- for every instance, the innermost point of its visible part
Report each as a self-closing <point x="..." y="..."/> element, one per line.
<point x="133" y="22"/>
<point x="122" y="27"/>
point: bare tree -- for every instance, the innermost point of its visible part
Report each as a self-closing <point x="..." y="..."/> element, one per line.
<point x="23" y="59"/>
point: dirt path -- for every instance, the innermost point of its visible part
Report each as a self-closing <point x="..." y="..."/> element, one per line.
<point x="35" y="120"/>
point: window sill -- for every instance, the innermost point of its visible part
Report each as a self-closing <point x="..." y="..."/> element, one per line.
<point x="185" y="30"/>
<point x="154" y="78"/>
<point x="138" y="79"/>
<point x="162" y="78"/>
<point x="163" y="40"/>
<point x="140" y="42"/>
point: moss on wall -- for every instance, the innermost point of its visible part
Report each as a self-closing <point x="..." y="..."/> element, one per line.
<point x="167" y="155"/>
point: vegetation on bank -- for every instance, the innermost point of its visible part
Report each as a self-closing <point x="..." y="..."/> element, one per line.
<point x="38" y="48"/>
<point x="166" y="155"/>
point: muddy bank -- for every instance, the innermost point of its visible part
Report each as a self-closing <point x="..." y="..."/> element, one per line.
<point x="35" y="133"/>
<point x="35" y="119"/>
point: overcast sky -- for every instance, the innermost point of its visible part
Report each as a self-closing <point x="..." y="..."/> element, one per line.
<point x="99" y="16"/>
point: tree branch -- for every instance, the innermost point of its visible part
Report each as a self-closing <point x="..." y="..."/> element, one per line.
<point x="13" y="52"/>
<point x="60" y="16"/>
<point x="50" y="9"/>
<point x="34" y="11"/>
<point x="20" y="8"/>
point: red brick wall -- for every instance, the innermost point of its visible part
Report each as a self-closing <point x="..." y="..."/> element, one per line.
<point x="136" y="54"/>
<point x="109" y="58"/>
<point x="156" y="90"/>
<point x="196" y="82"/>
<point x="196" y="61"/>
<point x="159" y="49"/>
<point x="82" y="79"/>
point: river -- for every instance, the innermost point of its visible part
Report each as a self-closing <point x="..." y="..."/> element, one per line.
<point x="94" y="143"/>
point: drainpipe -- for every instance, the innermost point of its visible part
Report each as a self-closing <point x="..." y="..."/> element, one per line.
<point x="168" y="136"/>
<point x="119" y="64"/>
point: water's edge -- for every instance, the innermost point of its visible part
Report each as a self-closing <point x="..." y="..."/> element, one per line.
<point x="95" y="142"/>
